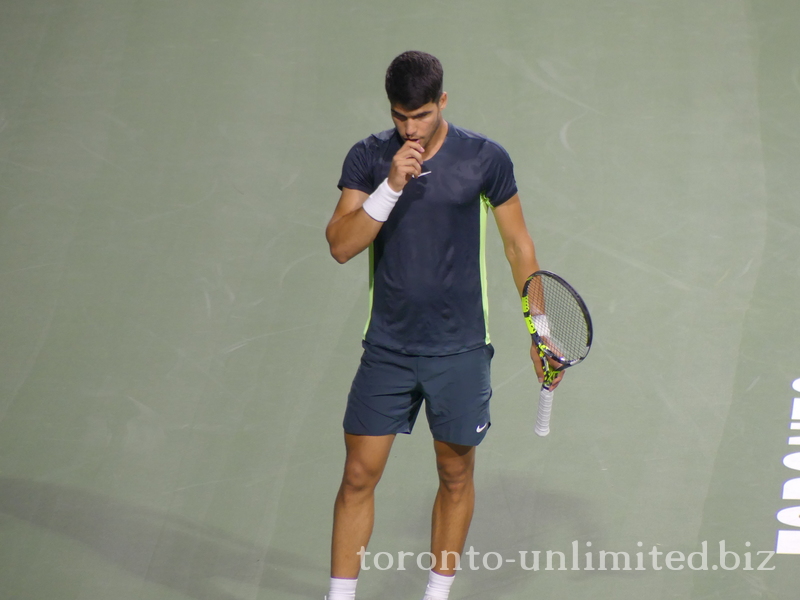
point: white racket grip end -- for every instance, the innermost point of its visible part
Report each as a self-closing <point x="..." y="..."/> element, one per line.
<point x="542" y="427"/>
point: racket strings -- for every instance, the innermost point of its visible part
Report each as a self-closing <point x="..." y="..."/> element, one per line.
<point x="567" y="332"/>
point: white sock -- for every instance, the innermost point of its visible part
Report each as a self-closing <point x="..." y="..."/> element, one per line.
<point x="438" y="586"/>
<point x="342" y="589"/>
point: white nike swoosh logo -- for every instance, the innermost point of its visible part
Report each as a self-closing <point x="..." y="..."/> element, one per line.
<point x="481" y="428"/>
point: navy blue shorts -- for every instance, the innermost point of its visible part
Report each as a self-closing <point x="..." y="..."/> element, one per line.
<point x="389" y="388"/>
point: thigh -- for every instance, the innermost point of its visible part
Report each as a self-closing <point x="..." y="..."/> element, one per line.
<point x="457" y="390"/>
<point x="385" y="397"/>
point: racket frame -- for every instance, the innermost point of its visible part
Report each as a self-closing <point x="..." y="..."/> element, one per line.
<point x="550" y="373"/>
<point x="542" y="347"/>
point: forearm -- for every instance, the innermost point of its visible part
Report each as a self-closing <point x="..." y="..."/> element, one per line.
<point x="358" y="218"/>
<point x="350" y="234"/>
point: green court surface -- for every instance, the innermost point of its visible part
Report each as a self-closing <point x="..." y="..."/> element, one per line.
<point x="176" y="343"/>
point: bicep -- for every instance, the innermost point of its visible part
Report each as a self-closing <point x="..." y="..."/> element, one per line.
<point x="349" y="202"/>
<point x="517" y="242"/>
<point x="511" y="223"/>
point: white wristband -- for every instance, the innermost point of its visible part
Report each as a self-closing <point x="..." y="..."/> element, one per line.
<point x="381" y="202"/>
<point x="542" y="325"/>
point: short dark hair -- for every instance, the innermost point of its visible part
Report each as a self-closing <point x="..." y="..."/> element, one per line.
<point x="413" y="79"/>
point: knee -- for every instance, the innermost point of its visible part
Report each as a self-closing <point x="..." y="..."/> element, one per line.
<point x="359" y="479"/>
<point x="455" y="479"/>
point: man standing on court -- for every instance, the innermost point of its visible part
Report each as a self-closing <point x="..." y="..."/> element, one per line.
<point x="418" y="197"/>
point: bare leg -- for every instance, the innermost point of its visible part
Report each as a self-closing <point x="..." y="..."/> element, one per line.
<point x="452" y="509"/>
<point x="354" y="510"/>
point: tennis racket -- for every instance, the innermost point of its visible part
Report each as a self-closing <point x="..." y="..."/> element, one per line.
<point x="561" y="328"/>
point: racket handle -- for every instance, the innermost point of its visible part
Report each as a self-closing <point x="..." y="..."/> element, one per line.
<point x="543" y="414"/>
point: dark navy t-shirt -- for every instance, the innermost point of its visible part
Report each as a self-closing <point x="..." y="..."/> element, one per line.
<point x="427" y="267"/>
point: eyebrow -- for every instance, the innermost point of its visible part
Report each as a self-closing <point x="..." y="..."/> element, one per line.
<point x="414" y="116"/>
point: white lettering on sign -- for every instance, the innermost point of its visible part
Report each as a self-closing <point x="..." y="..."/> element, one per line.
<point x="788" y="540"/>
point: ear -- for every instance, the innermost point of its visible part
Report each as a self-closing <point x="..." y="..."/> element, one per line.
<point x="442" y="100"/>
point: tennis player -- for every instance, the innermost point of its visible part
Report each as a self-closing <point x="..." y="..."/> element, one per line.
<point x="418" y="196"/>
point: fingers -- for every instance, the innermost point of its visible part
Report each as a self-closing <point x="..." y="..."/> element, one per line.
<point x="553" y="364"/>
<point x="557" y="380"/>
<point x="537" y="364"/>
<point x="409" y="158"/>
<point x="415" y="145"/>
<point x="407" y="163"/>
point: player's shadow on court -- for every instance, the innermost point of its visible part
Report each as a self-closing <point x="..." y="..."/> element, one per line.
<point x="513" y="514"/>
<point x="178" y="553"/>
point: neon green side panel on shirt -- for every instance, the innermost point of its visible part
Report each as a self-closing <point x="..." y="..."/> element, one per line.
<point x="484" y="281"/>
<point x="371" y="285"/>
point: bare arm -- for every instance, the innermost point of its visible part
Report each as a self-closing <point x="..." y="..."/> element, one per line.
<point x="517" y="242"/>
<point x="351" y="229"/>
<point x="521" y="255"/>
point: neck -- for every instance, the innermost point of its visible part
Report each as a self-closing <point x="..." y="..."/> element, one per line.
<point x="436" y="141"/>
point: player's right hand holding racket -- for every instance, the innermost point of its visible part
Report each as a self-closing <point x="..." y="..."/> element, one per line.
<point x="561" y="329"/>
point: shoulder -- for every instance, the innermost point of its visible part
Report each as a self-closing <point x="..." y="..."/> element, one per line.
<point x="478" y="143"/>
<point x="375" y="143"/>
<point x="491" y="161"/>
<point x="364" y="163"/>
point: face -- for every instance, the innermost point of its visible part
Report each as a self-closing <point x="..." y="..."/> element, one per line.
<point x="420" y="125"/>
